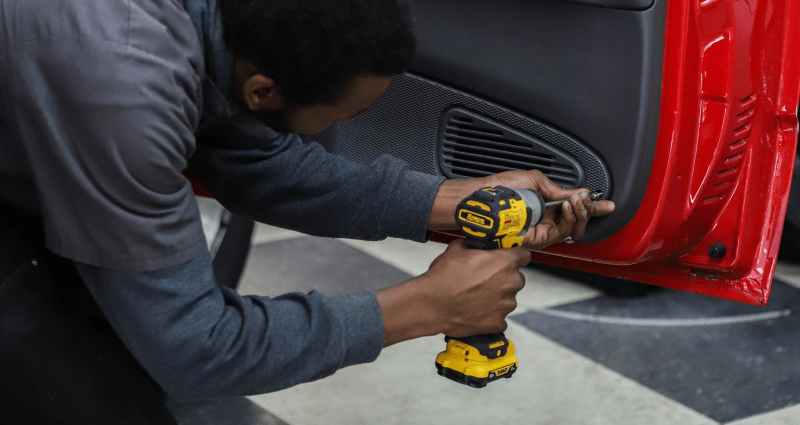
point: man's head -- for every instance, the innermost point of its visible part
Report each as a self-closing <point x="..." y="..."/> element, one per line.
<point x="305" y="64"/>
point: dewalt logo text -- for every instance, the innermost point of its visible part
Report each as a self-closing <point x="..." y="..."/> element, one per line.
<point x="475" y="219"/>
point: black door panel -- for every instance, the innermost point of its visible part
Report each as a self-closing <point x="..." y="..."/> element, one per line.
<point x="589" y="75"/>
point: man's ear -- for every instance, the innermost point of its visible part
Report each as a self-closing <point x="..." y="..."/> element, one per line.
<point x="261" y="94"/>
<point x="255" y="89"/>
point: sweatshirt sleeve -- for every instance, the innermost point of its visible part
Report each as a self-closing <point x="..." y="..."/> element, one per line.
<point x="100" y="101"/>
<point x="200" y="340"/>
<point x="278" y="179"/>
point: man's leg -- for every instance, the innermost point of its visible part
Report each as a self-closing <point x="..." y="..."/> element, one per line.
<point x="60" y="361"/>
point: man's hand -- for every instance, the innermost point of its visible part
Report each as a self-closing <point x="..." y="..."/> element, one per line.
<point x="558" y="223"/>
<point x="465" y="292"/>
<point x="471" y="291"/>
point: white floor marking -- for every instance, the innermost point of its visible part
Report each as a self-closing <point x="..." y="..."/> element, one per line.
<point x="789" y="273"/>
<point x="265" y="233"/>
<point x="413" y="258"/>
<point x="786" y="416"/>
<point x="631" y="321"/>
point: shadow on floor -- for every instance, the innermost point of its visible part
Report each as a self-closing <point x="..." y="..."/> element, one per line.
<point x="221" y="411"/>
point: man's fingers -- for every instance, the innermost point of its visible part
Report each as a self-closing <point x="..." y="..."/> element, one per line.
<point x="554" y="192"/>
<point x="458" y="243"/>
<point x="594" y="208"/>
<point x="562" y="228"/>
<point x="601" y="208"/>
<point x="521" y="280"/>
<point x="454" y="245"/>
<point x="551" y="191"/>
<point x="520" y="256"/>
<point x="568" y="219"/>
<point x="579" y="205"/>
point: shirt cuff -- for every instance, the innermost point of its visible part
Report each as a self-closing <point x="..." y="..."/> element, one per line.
<point x="362" y="326"/>
<point x="409" y="210"/>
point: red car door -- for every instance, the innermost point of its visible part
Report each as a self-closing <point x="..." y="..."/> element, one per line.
<point x="682" y="112"/>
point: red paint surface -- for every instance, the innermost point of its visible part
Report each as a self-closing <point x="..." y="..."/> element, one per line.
<point x="724" y="156"/>
<point x="198" y="187"/>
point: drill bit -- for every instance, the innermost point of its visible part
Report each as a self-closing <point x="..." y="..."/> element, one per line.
<point x="593" y="195"/>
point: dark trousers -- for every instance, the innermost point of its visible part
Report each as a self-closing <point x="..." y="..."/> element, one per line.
<point x="60" y="360"/>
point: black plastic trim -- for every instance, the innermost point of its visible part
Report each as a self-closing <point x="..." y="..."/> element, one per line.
<point x="471" y="381"/>
<point x="615" y="4"/>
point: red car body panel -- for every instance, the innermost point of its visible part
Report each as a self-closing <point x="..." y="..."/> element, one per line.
<point x="197" y="187"/>
<point x="724" y="156"/>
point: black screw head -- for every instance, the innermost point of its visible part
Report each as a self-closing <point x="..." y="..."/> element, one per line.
<point x="717" y="250"/>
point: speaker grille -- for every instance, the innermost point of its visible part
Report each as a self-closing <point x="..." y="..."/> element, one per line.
<point x="406" y="119"/>
<point x="471" y="145"/>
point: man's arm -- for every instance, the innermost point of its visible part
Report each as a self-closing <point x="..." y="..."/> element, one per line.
<point x="275" y="178"/>
<point x="199" y="340"/>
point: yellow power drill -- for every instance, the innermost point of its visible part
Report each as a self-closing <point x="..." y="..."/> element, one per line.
<point x="491" y="218"/>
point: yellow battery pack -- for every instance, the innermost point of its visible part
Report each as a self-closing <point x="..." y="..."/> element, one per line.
<point x="477" y="360"/>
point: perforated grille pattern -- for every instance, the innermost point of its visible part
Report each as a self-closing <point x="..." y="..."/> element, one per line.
<point x="471" y="145"/>
<point x="404" y="121"/>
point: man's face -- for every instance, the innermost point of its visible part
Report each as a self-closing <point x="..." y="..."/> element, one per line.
<point x="360" y="93"/>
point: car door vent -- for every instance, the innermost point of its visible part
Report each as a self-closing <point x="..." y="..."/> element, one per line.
<point x="730" y="163"/>
<point x="471" y="145"/>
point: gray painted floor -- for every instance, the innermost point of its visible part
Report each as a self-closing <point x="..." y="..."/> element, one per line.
<point x="723" y="359"/>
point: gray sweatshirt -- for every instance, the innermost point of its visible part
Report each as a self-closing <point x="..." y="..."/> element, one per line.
<point x="102" y="105"/>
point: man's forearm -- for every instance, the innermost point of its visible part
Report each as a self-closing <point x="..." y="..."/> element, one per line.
<point x="408" y="312"/>
<point x="302" y="187"/>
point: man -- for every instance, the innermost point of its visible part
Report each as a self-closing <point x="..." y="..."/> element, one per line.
<point x="104" y="103"/>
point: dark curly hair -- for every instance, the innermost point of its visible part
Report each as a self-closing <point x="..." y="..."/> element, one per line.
<point x="313" y="48"/>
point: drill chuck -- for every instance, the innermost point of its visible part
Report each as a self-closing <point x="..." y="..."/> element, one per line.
<point x="535" y="204"/>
